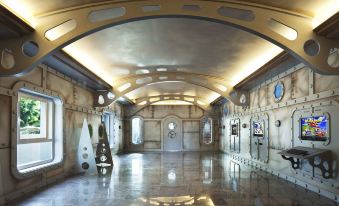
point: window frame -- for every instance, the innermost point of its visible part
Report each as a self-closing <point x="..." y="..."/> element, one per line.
<point x="203" y="121"/>
<point x="110" y="128"/>
<point x="57" y="134"/>
<point x="141" y="130"/>
<point x="50" y="113"/>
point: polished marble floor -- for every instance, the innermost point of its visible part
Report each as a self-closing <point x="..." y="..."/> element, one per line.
<point x="175" y="179"/>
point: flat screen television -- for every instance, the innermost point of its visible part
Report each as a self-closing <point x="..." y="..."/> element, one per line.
<point x="258" y="129"/>
<point x="234" y="128"/>
<point x="314" y="128"/>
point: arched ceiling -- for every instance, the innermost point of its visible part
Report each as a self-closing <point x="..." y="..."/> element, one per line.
<point x="30" y="9"/>
<point x="173" y="88"/>
<point x="173" y="44"/>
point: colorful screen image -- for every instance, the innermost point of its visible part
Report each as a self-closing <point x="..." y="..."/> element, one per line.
<point x="234" y="128"/>
<point x="258" y="129"/>
<point x="314" y="128"/>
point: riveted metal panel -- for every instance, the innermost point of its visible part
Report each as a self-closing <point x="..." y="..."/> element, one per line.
<point x="254" y="98"/>
<point x="263" y="96"/>
<point x="152" y="145"/>
<point x="325" y="82"/>
<point x="180" y="111"/>
<point x="196" y="112"/>
<point x="190" y="126"/>
<point x="65" y="88"/>
<point x="33" y="76"/>
<point x="82" y="97"/>
<point x="300" y="81"/>
<point x="191" y="141"/>
<point x="152" y="130"/>
<point x="5" y="126"/>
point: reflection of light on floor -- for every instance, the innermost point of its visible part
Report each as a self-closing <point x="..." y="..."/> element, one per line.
<point x="207" y="171"/>
<point x="179" y="200"/>
<point x="136" y="171"/>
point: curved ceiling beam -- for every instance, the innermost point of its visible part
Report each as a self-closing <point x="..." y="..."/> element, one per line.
<point x="131" y="83"/>
<point x="291" y="31"/>
<point x="144" y="102"/>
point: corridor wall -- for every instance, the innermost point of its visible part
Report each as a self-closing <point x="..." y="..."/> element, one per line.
<point x="304" y="93"/>
<point x="77" y="106"/>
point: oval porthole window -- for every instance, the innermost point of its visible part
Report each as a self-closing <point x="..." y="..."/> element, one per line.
<point x="172" y="126"/>
<point x="279" y="90"/>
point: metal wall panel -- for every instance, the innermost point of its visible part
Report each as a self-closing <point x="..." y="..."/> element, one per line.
<point x="325" y="82"/>
<point x="152" y="130"/>
<point x="300" y="81"/>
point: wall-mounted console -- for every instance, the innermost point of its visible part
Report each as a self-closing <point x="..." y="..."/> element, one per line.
<point x="319" y="158"/>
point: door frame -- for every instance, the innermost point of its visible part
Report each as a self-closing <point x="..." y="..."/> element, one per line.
<point x="162" y="133"/>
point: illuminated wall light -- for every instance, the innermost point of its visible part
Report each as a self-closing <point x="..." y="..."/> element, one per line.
<point x="121" y="99"/>
<point x="20" y="11"/>
<point x="154" y="99"/>
<point x="166" y="97"/>
<point x="163" y="78"/>
<point x="110" y="95"/>
<point x="86" y="59"/>
<point x="282" y="29"/>
<point x="255" y="61"/>
<point x="124" y="87"/>
<point x="324" y="11"/>
<point x="106" y="14"/>
<point x="190" y="99"/>
<point x="201" y="102"/>
<point x="60" y="30"/>
<point x="144" y="80"/>
<point x="101" y="99"/>
<point x="142" y="71"/>
<point x="191" y="202"/>
<point x="142" y="103"/>
<point x="221" y="87"/>
<point x="162" y="70"/>
<point x="176" y="97"/>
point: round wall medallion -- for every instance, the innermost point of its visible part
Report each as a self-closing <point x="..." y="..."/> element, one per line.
<point x="172" y="134"/>
<point x="172" y="126"/>
<point x="243" y="99"/>
<point x="279" y="91"/>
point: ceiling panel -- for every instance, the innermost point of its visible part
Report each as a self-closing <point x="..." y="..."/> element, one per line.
<point x="177" y="44"/>
<point x="184" y="44"/>
<point x="173" y="88"/>
<point x="307" y="7"/>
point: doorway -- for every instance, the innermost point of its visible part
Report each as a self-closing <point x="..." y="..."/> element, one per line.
<point x="172" y="134"/>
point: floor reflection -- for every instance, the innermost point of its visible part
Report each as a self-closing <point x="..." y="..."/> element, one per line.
<point x="190" y="178"/>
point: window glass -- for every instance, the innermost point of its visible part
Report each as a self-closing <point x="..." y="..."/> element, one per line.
<point x="109" y="124"/>
<point x="36" y="130"/>
<point x="207" y="130"/>
<point x="33" y="118"/>
<point x="136" y="130"/>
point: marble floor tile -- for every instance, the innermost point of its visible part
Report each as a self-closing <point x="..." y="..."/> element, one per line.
<point x="174" y="179"/>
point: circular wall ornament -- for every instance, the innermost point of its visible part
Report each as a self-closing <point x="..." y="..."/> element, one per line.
<point x="243" y="99"/>
<point x="172" y="126"/>
<point x="172" y="134"/>
<point x="279" y="91"/>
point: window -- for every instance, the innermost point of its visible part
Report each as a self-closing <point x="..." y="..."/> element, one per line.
<point x="39" y="129"/>
<point x="207" y="130"/>
<point x="137" y="129"/>
<point x="108" y="119"/>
